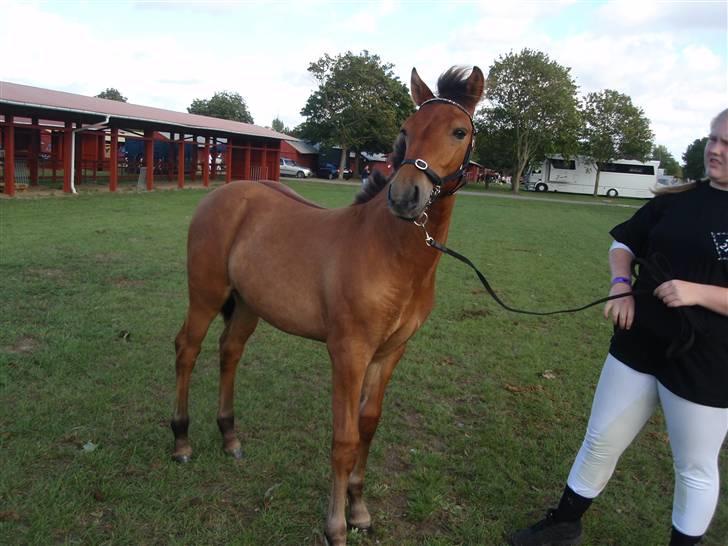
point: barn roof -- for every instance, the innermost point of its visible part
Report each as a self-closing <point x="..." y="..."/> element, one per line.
<point x="302" y="147"/>
<point x="27" y="100"/>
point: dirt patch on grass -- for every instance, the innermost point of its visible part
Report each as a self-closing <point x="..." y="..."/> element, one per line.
<point x="474" y="313"/>
<point x="123" y="282"/>
<point x="24" y="345"/>
<point x="47" y="273"/>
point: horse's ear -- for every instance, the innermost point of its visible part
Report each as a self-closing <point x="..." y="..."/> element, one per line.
<point x="420" y="91"/>
<point x="475" y="87"/>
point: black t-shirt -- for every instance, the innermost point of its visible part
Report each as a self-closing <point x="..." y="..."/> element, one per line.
<point x="689" y="233"/>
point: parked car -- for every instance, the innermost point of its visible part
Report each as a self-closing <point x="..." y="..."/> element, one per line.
<point x="330" y="171"/>
<point x="290" y="168"/>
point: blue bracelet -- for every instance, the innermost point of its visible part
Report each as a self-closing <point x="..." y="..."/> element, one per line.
<point x="625" y="280"/>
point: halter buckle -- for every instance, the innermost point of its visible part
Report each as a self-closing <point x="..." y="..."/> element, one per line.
<point x="421" y="164"/>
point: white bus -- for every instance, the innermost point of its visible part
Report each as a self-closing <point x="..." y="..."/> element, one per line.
<point x="618" y="178"/>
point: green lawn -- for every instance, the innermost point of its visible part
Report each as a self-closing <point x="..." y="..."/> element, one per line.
<point x="476" y="438"/>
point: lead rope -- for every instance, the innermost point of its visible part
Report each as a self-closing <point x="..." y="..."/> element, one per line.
<point x="429" y="241"/>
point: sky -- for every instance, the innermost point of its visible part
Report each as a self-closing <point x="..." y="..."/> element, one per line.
<point x="669" y="57"/>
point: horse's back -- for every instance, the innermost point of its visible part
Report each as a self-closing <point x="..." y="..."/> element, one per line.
<point x="224" y="213"/>
<point x="288" y="192"/>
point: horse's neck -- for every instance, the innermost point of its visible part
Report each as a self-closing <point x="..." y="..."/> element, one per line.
<point x="407" y="240"/>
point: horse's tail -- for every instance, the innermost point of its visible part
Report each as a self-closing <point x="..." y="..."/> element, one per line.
<point x="228" y="307"/>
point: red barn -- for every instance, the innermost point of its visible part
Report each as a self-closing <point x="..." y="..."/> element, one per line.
<point x="79" y="127"/>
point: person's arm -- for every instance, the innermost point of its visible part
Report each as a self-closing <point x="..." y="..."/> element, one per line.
<point x="621" y="310"/>
<point x="676" y="293"/>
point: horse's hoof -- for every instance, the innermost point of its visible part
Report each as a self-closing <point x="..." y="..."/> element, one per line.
<point x="182" y="459"/>
<point x="368" y="530"/>
<point x="329" y="542"/>
<point x="236" y="453"/>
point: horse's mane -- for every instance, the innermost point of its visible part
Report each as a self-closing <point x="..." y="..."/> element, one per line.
<point x="450" y="85"/>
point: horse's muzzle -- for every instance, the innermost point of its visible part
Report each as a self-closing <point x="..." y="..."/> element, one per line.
<point x="406" y="201"/>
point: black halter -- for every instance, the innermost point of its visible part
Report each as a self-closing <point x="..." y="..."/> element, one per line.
<point x="458" y="175"/>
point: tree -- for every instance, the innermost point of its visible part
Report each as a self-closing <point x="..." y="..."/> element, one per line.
<point x="224" y="105"/>
<point x="531" y="110"/>
<point x="614" y="128"/>
<point x="111" y="93"/>
<point x="359" y="104"/>
<point x="667" y="162"/>
<point x="693" y="162"/>
<point x="493" y="149"/>
<point x="277" y="125"/>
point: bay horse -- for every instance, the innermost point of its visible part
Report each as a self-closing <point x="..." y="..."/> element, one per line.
<point x="358" y="278"/>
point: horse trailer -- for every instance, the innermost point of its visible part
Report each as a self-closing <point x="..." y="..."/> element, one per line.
<point x="617" y="178"/>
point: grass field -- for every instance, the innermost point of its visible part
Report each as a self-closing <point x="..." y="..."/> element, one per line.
<point x="481" y="421"/>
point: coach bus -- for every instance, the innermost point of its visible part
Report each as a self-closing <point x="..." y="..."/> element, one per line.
<point x="617" y="178"/>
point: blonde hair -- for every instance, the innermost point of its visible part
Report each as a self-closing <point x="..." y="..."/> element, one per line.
<point x="717" y="119"/>
<point x="677" y="188"/>
<point x="722" y="116"/>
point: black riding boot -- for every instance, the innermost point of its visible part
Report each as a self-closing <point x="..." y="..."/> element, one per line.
<point x="679" y="539"/>
<point x="560" y="527"/>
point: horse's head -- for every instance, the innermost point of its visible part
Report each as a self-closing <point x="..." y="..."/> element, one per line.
<point x="433" y="147"/>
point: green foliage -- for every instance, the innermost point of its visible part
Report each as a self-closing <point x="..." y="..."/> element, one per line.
<point x="224" y="105"/>
<point x="693" y="161"/>
<point x="532" y="110"/>
<point x="667" y="162"/>
<point x="277" y="125"/>
<point x="476" y="439"/>
<point x="359" y="104"/>
<point x="614" y="128"/>
<point x="111" y="93"/>
<point x="494" y="149"/>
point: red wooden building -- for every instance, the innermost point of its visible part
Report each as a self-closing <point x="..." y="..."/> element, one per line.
<point x="301" y="152"/>
<point x="73" y="135"/>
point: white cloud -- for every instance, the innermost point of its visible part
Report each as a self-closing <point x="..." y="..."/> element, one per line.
<point x="700" y="59"/>
<point x="669" y="16"/>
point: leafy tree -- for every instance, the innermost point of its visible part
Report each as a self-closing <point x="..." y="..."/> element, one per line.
<point x="277" y="125"/>
<point x="494" y="149"/>
<point x="224" y="105"/>
<point x="667" y="162"/>
<point x="531" y="110"/>
<point x="693" y="163"/>
<point x="111" y="93"/>
<point x="359" y="104"/>
<point x="614" y="128"/>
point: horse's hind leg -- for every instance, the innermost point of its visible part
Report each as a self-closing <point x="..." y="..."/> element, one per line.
<point x="240" y="323"/>
<point x="370" y="410"/>
<point x="187" y="345"/>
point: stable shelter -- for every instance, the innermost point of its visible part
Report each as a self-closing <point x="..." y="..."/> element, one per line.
<point x="52" y="137"/>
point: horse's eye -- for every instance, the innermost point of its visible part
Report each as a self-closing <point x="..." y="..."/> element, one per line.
<point x="460" y="133"/>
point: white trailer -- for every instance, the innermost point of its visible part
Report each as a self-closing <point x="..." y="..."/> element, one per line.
<point x="617" y="178"/>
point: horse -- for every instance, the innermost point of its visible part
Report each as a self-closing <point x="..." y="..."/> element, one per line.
<point x="363" y="279"/>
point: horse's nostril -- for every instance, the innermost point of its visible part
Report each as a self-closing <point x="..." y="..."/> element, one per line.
<point x="416" y="196"/>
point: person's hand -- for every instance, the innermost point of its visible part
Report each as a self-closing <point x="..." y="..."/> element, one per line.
<point x="676" y="293"/>
<point x="621" y="310"/>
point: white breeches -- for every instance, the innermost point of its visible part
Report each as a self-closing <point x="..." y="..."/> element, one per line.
<point x="624" y="401"/>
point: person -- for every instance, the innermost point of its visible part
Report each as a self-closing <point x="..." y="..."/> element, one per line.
<point x="670" y="347"/>
<point x="365" y="172"/>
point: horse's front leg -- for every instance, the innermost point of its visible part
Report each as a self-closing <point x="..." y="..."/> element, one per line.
<point x="370" y="410"/>
<point x="348" y="367"/>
